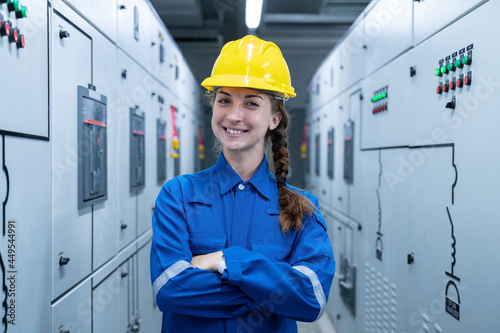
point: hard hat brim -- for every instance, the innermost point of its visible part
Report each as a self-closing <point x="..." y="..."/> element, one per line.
<point x="244" y="81"/>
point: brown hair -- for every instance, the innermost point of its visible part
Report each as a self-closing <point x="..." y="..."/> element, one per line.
<point x="293" y="205"/>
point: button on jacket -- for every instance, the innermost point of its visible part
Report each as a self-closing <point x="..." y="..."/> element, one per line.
<point x="272" y="279"/>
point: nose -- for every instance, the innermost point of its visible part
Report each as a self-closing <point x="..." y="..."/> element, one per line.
<point x="236" y="112"/>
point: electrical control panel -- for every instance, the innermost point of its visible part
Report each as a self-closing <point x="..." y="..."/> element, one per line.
<point x="331" y="153"/>
<point x="421" y="117"/>
<point x="137" y="150"/>
<point x="349" y="152"/>
<point x="317" y="154"/>
<point x="177" y="162"/>
<point x="92" y="147"/>
<point x="161" y="152"/>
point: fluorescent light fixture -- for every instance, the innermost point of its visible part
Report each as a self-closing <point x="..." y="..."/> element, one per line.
<point x="253" y="12"/>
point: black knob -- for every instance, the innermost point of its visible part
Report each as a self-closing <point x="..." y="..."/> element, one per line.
<point x="63" y="261"/>
<point x="411" y="259"/>
<point x="451" y="104"/>
<point x="124" y="275"/>
<point x="124" y="226"/>
<point x="63" y="34"/>
<point x="124" y="73"/>
<point x="122" y="7"/>
<point x="413" y="71"/>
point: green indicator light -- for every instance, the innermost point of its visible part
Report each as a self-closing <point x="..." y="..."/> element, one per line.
<point x="437" y="72"/>
<point x="458" y="63"/>
<point x="384" y="95"/>
<point x="444" y="70"/>
<point x="16" y="5"/>
<point x="465" y="60"/>
<point x="451" y="66"/>
<point x="373" y="99"/>
<point x="24" y="11"/>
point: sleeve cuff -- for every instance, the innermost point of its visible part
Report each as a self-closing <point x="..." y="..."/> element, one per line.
<point x="232" y="273"/>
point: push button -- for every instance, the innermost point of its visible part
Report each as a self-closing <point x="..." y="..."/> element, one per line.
<point x="5" y="28"/>
<point x="22" y="13"/>
<point x="14" y="6"/>
<point x="468" y="79"/>
<point x="14" y="34"/>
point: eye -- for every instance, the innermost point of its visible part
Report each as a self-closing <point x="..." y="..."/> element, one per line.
<point x="253" y="104"/>
<point x="222" y="100"/>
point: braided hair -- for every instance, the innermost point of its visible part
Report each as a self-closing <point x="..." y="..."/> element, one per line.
<point x="293" y="205"/>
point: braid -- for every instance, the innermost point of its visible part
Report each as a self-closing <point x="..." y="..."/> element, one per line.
<point x="293" y="205"/>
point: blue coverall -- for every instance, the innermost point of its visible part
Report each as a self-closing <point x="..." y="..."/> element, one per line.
<point x="272" y="279"/>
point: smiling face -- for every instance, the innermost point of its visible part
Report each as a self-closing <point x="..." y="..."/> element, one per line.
<point x="240" y="120"/>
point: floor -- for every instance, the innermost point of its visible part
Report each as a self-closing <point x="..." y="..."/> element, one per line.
<point x="323" y="325"/>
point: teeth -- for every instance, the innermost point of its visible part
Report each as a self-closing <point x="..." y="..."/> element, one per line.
<point x="233" y="131"/>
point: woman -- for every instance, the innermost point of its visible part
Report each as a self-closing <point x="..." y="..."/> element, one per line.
<point x="235" y="248"/>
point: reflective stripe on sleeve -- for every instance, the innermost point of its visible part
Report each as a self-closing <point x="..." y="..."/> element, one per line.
<point x="318" y="289"/>
<point x="169" y="273"/>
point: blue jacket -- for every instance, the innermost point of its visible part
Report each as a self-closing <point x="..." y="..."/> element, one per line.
<point x="272" y="279"/>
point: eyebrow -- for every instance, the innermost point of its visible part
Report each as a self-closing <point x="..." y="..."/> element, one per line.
<point x="246" y="96"/>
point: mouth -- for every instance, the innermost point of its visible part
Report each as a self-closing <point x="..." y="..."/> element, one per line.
<point x="234" y="131"/>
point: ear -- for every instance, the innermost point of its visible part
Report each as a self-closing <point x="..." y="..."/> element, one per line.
<point x="275" y="120"/>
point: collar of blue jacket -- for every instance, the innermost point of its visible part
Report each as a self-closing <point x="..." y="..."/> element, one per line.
<point x="263" y="181"/>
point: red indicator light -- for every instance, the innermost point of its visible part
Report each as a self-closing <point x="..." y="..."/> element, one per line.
<point x="14" y="33"/>
<point x="452" y="85"/>
<point x="439" y="90"/>
<point x="467" y="80"/>
<point x="445" y="87"/>
<point x="460" y="83"/>
<point x="20" y="42"/>
<point x="5" y="29"/>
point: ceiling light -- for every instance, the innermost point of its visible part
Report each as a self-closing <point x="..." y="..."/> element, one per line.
<point x="253" y="12"/>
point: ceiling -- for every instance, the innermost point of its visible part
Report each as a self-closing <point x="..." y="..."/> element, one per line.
<point x="296" y="26"/>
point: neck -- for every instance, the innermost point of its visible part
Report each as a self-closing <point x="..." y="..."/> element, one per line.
<point x="245" y="165"/>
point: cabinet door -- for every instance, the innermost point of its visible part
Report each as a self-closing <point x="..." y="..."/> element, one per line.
<point x="72" y="227"/>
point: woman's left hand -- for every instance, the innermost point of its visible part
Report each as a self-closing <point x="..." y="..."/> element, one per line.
<point x="209" y="262"/>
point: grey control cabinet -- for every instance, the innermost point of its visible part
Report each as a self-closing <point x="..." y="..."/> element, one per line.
<point x="161" y="150"/>
<point x="137" y="151"/>
<point x="92" y="150"/>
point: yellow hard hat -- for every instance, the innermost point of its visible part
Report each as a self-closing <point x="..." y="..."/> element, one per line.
<point x="251" y="62"/>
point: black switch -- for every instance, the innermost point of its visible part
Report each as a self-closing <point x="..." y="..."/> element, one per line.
<point x="451" y="104"/>
<point x="63" y="261"/>
<point x="413" y="71"/>
<point x="63" y="34"/>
